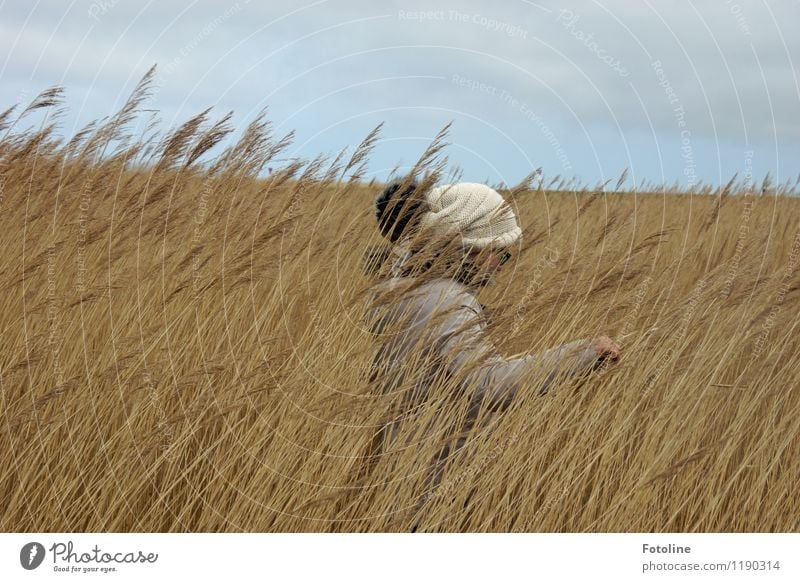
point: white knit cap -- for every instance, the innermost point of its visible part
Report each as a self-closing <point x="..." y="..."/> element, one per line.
<point x="475" y="211"/>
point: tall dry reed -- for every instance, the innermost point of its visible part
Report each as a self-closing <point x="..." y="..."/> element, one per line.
<point x="183" y="348"/>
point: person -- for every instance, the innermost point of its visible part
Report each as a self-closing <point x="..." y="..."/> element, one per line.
<point x="430" y="329"/>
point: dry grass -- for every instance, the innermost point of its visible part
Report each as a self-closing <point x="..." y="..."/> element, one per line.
<point x="182" y="349"/>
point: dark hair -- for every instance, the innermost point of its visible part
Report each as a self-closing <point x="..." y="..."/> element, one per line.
<point x="397" y="208"/>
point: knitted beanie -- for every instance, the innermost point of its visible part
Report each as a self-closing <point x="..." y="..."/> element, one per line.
<point x="475" y="211"/>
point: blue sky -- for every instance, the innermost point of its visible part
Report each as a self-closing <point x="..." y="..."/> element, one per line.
<point x="674" y="90"/>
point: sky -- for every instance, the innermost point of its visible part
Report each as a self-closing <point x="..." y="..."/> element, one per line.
<point x="676" y="91"/>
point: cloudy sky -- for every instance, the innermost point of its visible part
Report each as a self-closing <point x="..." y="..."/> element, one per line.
<point x="677" y="91"/>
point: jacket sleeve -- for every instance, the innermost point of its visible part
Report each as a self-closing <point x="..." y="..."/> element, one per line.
<point x="467" y="349"/>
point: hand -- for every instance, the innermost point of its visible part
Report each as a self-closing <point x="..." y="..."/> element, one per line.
<point x="605" y="348"/>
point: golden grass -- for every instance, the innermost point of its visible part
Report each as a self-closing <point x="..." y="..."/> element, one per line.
<point x="182" y="349"/>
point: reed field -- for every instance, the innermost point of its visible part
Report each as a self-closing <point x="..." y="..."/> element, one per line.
<point x="183" y="347"/>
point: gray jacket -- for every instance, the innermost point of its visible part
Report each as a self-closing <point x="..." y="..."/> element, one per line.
<point x="441" y="323"/>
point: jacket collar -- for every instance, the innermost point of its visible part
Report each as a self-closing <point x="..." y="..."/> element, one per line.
<point x="401" y="253"/>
